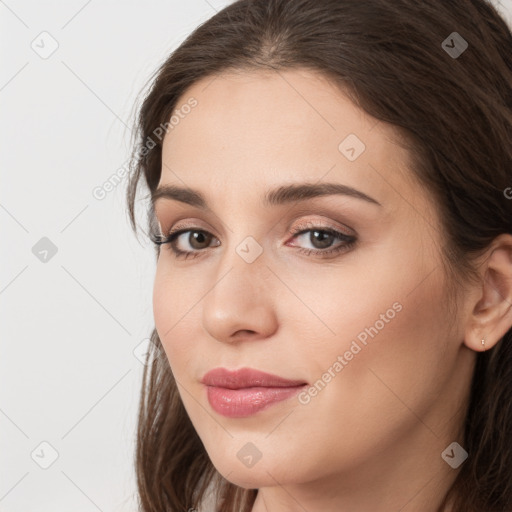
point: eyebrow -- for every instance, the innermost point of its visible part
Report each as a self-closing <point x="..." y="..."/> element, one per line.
<point x="278" y="196"/>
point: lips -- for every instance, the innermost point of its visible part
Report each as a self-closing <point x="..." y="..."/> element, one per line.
<point x="244" y="392"/>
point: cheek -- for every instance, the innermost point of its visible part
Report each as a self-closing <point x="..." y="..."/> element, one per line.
<point x="394" y="358"/>
<point x="388" y="383"/>
<point x="175" y="309"/>
<point x="175" y="293"/>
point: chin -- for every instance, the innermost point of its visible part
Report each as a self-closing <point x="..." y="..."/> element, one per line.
<point x="248" y="480"/>
<point x="261" y="474"/>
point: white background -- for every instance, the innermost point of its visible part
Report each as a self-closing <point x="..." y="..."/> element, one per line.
<point x="69" y="327"/>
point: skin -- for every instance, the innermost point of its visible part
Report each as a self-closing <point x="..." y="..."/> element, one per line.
<point x="372" y="438"/>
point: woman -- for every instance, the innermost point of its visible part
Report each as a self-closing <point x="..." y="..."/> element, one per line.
<point x="330" y="199"/>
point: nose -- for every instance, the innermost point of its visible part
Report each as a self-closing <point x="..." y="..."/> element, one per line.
<point x="240" y="304"/>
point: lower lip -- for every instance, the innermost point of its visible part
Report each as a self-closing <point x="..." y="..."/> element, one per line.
<point x="240" y="403"/>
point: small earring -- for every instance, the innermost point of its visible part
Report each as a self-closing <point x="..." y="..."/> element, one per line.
<point x="483" y="344"/>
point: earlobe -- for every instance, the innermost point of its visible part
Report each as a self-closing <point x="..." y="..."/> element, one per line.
<point x="492" y="314"/>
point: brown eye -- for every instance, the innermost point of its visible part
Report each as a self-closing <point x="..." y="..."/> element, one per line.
<point x="190" y="242"/>
<point x="199" y="239"/>
<point x="323" y="242"/>
<point x="321" y="239"/>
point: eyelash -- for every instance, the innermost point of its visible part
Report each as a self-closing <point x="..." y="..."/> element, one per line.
<point x="349" y="241"/>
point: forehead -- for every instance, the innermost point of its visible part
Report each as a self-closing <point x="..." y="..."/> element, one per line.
<point x="257" y="129"/>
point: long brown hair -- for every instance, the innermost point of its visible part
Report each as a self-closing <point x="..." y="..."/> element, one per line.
<point x="455" y="115"/>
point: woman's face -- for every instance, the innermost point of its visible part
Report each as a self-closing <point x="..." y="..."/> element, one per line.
<point x="352" y="309"/>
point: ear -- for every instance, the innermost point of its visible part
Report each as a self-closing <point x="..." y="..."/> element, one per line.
<point x="492" y="314"/>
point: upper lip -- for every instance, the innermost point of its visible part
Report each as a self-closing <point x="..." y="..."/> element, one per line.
<point x="246" y="378"/>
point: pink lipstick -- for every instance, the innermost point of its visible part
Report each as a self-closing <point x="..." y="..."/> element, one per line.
<point x="244" y="392"/>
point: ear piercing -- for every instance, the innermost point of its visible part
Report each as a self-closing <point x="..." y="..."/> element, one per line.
<point x="483" y="344"/>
